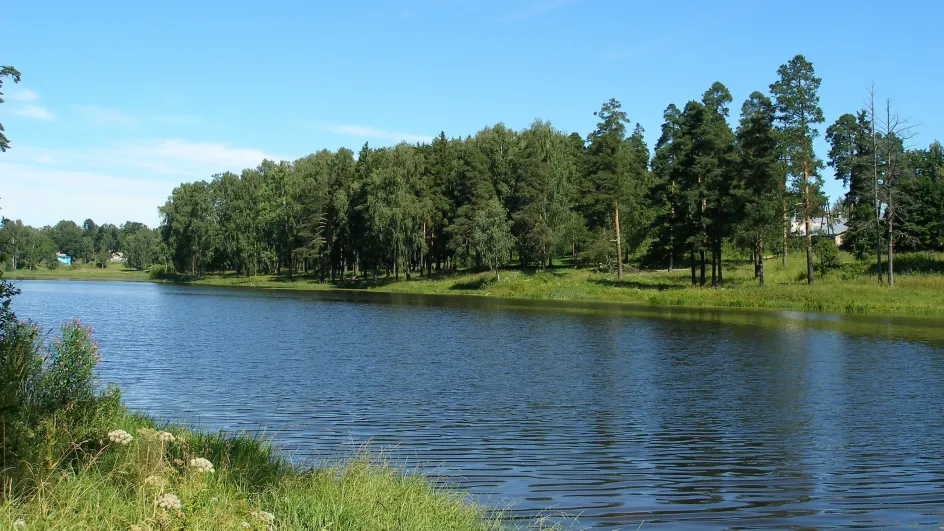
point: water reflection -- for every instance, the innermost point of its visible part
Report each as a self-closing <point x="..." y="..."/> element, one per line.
<point x="685" y="419"/>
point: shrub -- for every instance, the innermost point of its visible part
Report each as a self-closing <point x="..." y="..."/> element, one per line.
<point x="827" y="254"/>
<point x="158" y="271"/>
<point x="50" y="410"/>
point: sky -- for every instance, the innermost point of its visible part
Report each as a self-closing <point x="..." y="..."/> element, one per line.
<point x="122" y="101"/>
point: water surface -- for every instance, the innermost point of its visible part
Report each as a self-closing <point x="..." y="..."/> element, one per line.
<point x="684" y="419"/>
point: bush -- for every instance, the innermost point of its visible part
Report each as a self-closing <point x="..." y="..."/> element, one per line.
<point x="158" y="271"/>
<point x="48" y="397"/>
<point x="827" y="255"/>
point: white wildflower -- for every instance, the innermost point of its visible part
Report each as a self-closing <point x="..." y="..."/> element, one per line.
<point x="165" y="436"/>
<point x="154" y="480"/>
<point x="169" y="501"/>
<point x="202" y="465"/>
<point x="178" y="462"/>
<point x="120" y="437"/>
<point x="19" y="524"/>
<point x="267" y="518"/>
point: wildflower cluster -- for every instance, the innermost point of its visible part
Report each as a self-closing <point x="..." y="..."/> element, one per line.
<point x="202" y="465"/>
<point x="267" y="518"/>
<point x="155" y="435"/>
<point x="155" y="480"/>
<point x="120" y="437"/>
<point x="169" y="502"/>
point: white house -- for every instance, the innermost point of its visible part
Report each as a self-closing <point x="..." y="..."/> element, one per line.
<point x="822" y="226"/>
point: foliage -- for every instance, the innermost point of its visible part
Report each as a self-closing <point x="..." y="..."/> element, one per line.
<point x="827" y="255"/>
<point x="796" y="94"/>
<point x="48" y="396"/>
<point x="702" y="192"/>
<point x="6" y="71"/>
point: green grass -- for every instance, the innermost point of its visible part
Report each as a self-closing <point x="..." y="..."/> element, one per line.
<point x="113" y="271"/>
<point x="117" y="486"/>
<point x="918" y="292"/>
<point x="919" y="288"/>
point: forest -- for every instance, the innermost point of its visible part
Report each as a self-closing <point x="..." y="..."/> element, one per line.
<point x="541" y="197"/>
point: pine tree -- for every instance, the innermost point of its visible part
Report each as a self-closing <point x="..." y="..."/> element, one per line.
<point x="798" y="111"/>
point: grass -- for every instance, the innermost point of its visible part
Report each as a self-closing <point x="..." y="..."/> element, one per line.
<point x="117" y="486"/>
<point x="113" y="271"/>
<point x="919" y="288"/>
<point x="918" y="291"/>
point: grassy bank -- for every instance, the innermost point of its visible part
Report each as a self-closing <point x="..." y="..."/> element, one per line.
<point x="113" y="271"/>
<point x="919" y="288"/>
<point x="158" y="481"/>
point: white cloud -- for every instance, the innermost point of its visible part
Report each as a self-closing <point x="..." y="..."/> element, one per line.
<point x="41" y="196"/>
<point x="104" y="116"/>
<point x="34" y="111"/>
<point x="185" y="159"/>
<point x="366" y="131"/>
<point x="112" y="184"/>
<point x="23" y="96"/>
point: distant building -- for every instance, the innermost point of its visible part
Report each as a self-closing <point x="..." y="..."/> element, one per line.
<point x="833" y="227"/>
<point x="117" y="257"/>
<point x="64" y="258"/>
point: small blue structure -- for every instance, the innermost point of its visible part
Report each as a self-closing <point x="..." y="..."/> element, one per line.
<point x="64" y="258"/>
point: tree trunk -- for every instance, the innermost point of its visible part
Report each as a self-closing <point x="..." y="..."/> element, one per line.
<point x="701" y="280"/>
<point x="671" y="249"/>
<point x="691" y="258"/>
<point x="619" y="243"/>
<point x="806" y="220"/>
<point x="714" y="268"/>
<point x="760" y="261"/>
<point x="786" y="231"/>
<point x="891" y="241"/>
<point x="720" y="268"/>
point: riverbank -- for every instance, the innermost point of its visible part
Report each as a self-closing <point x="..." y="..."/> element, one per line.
<point x="141" y="476"/>
<point x="112" y="272"/>
<point x="919" y="288"/>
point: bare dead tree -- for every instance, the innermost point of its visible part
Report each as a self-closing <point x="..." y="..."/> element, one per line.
<point x="897" y="134"/>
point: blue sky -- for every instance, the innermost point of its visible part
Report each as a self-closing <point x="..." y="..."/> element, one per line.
<point x="121" y="101"/>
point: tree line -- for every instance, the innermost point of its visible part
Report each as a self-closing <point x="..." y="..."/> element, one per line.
<point x="26" y="247"/>
<point x="537" y="195"/>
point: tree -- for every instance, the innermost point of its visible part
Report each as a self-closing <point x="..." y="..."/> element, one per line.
<point x="68" y="238"/>
<point x="608" y="170"/>
<point x="188" y="228"/>
<point x="851" y="157"/>
<point x="543" y="191"/>
<point x="715" y="165"/>
<point x="6" y="71"/>
<point x="141" y="248"/>
<point x="798" y="111"/>
<point x="924" y="220"/>
<point x="491" y="235"/>
<point x="13" y="237"/>
<point x="896" y="131"/>
<point x="759" y="170"/>
<point x="663" y="194"/>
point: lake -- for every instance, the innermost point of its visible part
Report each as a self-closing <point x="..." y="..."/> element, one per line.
<point x="684" y="419"/>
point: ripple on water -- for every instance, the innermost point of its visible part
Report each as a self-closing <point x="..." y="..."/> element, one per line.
<point x="682" y="423"/>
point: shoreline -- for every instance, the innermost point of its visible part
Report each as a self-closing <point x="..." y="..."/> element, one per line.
<point x="918" y="296"/>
